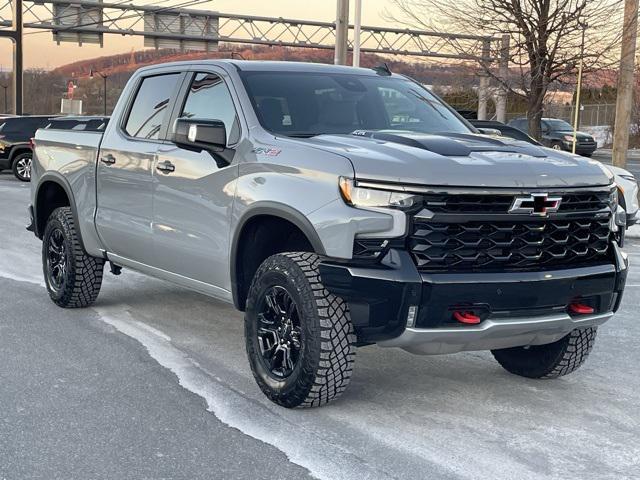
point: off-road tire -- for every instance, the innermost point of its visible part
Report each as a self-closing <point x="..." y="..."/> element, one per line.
<point x="327" y="339"/>
<point x="83" y="273"/>
<point x="15" y="166"/>
<point x="549" y="361"/>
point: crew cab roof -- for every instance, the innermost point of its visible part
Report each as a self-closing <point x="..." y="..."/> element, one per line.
<point x="270" y="66"/>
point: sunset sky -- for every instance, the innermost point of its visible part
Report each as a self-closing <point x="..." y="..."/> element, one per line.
<point x="42" y="52"/>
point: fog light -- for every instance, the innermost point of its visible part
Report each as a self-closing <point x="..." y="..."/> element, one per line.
<point x="411" y="316"/>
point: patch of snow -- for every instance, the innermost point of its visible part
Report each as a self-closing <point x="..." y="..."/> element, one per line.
<point x="323" y="459"/>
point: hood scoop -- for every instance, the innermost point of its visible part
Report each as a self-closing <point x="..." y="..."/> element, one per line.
<point x="451" y="145"/>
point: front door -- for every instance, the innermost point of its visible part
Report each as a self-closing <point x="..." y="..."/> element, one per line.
<point x="193" y="193"/>
<point x="125" y="170"/>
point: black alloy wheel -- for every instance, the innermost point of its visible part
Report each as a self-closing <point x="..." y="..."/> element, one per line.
<point x="57" y="259"/>
<point x="279" y="332"/>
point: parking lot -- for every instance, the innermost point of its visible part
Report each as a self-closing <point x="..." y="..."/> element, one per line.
<point x="154" y="380"/>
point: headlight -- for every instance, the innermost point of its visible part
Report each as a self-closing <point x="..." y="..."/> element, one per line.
<point x="613" y="199"/>
<point x="371" y="197"/>
<point x="568" y="138"/>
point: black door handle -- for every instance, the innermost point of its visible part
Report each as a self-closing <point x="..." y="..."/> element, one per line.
<point x="166" y="167"/>
<point x="108" y="159"/>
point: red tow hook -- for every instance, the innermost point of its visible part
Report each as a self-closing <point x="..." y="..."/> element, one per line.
<point x="580" y="309"/>
<point x="466" y="317"/>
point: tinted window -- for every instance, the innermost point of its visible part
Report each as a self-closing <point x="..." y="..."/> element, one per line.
<point x="210" y="99"/>
<point x="150" y="106"/>
<point x="306" y="104"/>
<point x="26" y="126"/>
<point x="558" y="125"/>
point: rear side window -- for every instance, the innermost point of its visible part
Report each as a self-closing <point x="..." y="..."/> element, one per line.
<point x="150" y="106"/>
<point x="209" y="99"/>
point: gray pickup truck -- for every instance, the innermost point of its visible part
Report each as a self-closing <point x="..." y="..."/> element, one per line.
<point x="337" y="207"/>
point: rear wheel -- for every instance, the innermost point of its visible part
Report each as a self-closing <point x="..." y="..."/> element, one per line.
<point x="73" y="278"/>
<point x="549" y="361"/>
<point x="299" y="337"/>
<point x="22" y="167"/>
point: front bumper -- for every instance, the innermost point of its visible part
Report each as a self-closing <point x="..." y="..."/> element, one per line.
<point x="581" y="148"/>
<point x="516" y="308"/>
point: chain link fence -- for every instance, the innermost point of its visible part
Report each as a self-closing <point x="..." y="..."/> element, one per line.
<point x="600" y="114"/>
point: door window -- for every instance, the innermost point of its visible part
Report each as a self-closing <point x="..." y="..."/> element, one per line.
<point x="150" y="106"/>
<point x="209" y="99"/>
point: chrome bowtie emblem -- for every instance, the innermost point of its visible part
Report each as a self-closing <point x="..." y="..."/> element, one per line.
<point x="537" y="204"/>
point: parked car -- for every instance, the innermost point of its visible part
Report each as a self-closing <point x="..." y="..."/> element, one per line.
<point x="15" y="143"/>
<point x="626" y="181"/>
<point x="558" y="134"/>
<point x="337" y="207"/>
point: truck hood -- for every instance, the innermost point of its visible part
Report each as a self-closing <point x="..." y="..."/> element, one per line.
<point x="461" y="160"/>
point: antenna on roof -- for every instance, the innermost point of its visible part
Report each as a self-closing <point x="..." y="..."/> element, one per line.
<point x="382" y="69"/>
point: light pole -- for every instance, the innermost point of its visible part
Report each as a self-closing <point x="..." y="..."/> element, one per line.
<point x="356" y="33"/>
<point x="104" y="78"/>
<point x="5" y="97"/>
<point x="576" y="117"/>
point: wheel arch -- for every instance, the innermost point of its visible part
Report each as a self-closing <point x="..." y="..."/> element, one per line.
<point x="265" y="212"/>
<point x="53" y="191"/>
<point x="19" y="150"/>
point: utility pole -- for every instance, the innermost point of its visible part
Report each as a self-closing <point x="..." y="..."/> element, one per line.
<point x="342" y="32"/>
<point x="624" y="101"/>
<point x="576" y="120"/>
<point x="356" y="33"/>
<point x="15" y="34"/>
<point x="501" y="104"/>
<point x="5" y="97"/>
<point x="483" y="88"/>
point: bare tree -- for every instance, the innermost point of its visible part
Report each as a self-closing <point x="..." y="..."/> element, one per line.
<point x="546" y="38"/>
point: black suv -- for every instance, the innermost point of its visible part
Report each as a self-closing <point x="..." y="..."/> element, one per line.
<point x="15" y="143"/>
<point x="558" y="134"/>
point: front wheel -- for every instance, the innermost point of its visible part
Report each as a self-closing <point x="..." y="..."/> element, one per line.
<point x="549" y="361"/>
<point x="557" y="146"/>
<point x="22" y="167"/>
<point x="299" y="337"/>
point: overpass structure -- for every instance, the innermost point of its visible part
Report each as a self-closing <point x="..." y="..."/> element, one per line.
<point x="180" y="27"/>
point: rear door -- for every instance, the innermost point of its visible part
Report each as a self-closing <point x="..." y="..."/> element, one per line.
<point x="192" y="201"/>
<point x="125" y="167"/>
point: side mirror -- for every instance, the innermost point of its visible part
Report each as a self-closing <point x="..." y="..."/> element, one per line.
<point x="200" y="134"/>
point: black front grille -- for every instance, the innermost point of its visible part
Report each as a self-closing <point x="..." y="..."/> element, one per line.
<point x="508" y="245"/>
<point x="586" y="202"/>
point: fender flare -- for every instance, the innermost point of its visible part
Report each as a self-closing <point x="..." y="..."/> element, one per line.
<point x="16" y="148"/>
<point x="61" y="181"/>
<point x="272" y="209"/>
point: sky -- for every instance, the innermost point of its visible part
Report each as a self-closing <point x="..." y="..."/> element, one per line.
<point x="42" y="52"/>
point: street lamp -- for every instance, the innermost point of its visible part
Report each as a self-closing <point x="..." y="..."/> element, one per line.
<point x="104" y="77"/>
<point x="576" y="117"/>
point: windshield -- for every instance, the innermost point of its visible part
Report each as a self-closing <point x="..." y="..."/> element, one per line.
<point x="308" y="104"/>
<point x="558" y="125"/>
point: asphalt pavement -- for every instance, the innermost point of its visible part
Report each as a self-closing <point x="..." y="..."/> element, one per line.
<point x="633" y="160"/>
<point x="152" y="382"/>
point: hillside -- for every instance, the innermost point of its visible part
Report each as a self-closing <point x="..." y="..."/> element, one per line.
<point x="425" y="72"/>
